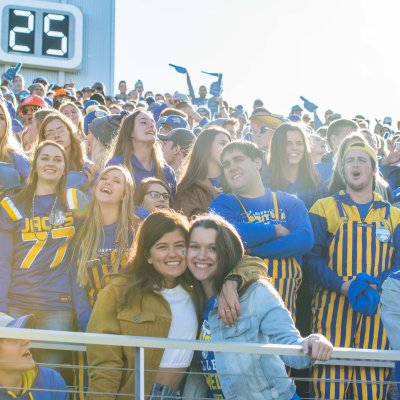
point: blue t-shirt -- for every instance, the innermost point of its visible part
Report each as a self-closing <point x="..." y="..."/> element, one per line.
<point x="207" y="358"/>
<point x="363" y="209"/>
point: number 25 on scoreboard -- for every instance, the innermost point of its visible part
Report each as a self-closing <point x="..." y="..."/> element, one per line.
<point x="41" y="33"/>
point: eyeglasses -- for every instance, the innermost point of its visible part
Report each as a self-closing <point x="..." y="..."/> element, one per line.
<point x="156" y="195"/>
<point x="53" y="132"/>
<point x="26" y="109"/>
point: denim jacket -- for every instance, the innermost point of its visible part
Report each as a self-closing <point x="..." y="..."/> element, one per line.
<point x="263" y="319"/>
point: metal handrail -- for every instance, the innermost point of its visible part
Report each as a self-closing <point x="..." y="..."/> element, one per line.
<point x="78" y="340"/>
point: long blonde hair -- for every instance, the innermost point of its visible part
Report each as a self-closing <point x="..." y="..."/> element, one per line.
<point x="91" y="233"/>
<point x="8" y="143"/>
<point x="123" y="144"/>
<point x="99" y="154"/>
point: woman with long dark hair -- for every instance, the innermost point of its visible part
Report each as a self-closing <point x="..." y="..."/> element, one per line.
<point x="290" y="167"/>
<point x="151" y="297"/>
<point x="201" y="181"/>
<point x="136" y="148"/>
<point x="214" y="249"/>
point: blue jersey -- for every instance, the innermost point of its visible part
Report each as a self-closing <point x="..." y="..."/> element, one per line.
<point x="42" y="384"/>
<point x="140" y="172"/>
<point x="34" y="265"/>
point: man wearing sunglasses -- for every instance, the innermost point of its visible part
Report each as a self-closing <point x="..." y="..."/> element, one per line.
<point x="29" y="106"/>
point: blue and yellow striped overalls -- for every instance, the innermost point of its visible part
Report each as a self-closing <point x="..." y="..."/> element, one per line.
<point x="286" y="273"/>
<point x="353" y="248"/>
<point x="98" y="277"/>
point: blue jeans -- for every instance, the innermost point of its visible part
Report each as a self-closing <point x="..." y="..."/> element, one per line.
<point x="58" y="320"/>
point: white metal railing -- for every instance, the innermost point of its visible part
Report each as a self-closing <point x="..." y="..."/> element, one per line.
<point x="77" y="341"/>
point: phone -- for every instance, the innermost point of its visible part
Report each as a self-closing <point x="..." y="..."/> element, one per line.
<point x="397" y="146"/>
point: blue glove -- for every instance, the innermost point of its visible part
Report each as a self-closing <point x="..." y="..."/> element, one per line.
<point x="362" y="297"/>
<point x="310" y="107"/>
<point x="11" y="72"/>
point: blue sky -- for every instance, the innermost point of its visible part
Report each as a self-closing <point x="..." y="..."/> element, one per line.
<point x="340" y="54"/>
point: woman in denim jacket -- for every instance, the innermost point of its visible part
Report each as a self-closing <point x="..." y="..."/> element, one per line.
<point x="214" y="249"/>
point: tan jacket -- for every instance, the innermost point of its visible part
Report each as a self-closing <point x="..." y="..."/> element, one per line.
<point x="149" y="317"/>
<point x="196" y="199"/>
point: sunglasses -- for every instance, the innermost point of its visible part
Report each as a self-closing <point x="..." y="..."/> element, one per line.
<point x="156" y="195"/>
<point x="26" y="109"/>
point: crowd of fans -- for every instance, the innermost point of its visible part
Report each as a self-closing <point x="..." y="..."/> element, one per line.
<point x="184" y="217"/>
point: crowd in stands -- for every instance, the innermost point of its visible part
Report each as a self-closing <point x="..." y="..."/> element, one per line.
<point x="186" y="217"/>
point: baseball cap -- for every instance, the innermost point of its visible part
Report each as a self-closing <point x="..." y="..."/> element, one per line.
<point x="98" y="85"/>
<point x="387" y="120"/>
<point x="296" y="108"/>
<point x="33" y="100"/>
<point x="90" y="117"/>
<point x="41" y="79"/>
<point x="8" y="322"/>
<point x="181" y="97"/>
<point x="271" y="120"/>
<point x="64" y="92"/>
<point x="182" y="137"/>
<point x="176" y="121"/>
<point x="90" y="103"/>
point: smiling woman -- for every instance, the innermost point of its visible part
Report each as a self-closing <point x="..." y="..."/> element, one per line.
<point x="151" y="297"/>
<point x="36" y="227"/>
<point x="106" y="233"/>
<point x="137" y="149"/>
<point x="290" y="167"/>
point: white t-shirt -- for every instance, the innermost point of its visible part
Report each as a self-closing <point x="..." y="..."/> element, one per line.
<point x="183" y="326"/>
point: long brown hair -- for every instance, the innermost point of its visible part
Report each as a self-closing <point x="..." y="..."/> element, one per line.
<point x="143" y="278"/>
<point x="8" y="143"/>
<point x="196" y="165"/>
<point x="307" y="175"/>
<point x="123" y="144"/>
<point x="77" y="149"/>
<point x="28" y="191"/>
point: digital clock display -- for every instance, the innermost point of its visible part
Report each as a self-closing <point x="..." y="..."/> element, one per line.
<point x="41" y="34"/>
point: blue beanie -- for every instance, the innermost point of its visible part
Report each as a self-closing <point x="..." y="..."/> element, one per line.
<point x="90" y="117"/>
<point x="362" y="297"/>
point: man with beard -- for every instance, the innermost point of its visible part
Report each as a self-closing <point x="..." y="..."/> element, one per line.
<point x="357" y="244"/>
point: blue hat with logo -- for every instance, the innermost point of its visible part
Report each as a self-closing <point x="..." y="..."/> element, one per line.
<point x="176" y="121"/>
<point x="90" y="103"/>
<point x="90" y="117"/>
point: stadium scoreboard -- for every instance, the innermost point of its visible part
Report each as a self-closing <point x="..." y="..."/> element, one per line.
<point x="42" y="34"/>
<point x="59" y="38"/>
